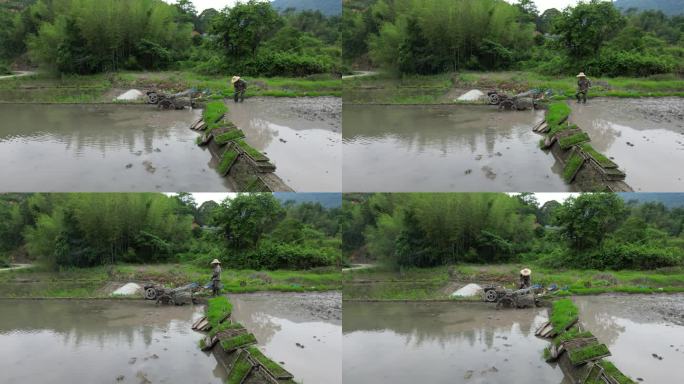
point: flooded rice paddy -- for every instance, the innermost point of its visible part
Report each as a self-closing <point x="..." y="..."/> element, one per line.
<point x="636" y="327"/>
<point x="281" y="320"/>
<point x="302" y="136"/>
<point x="444" y="148"/>
<point x="644" y="136"/>
<point x="79" y="341"/>
<point x="474" y="343"/>
<point x="120" y="148"/>
<point x="443" y="343"/>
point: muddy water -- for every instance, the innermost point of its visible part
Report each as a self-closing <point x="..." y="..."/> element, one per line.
<point x="634" y="327"/>
<point x="102" y="148"/>
<point x="655" y="129"/>
<point x="300" y="135"/>
<point x="444" y="148"/>
<point x="280" y="320"/>
<point x="443" y="343"/>
<point x="76" y="341"/>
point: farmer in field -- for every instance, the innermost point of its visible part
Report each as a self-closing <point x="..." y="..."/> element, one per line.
<point x="240" y="87"/>
<point x="215" y="277"/>
<point x="525" y="278"/>
<point x="583" y="85"/>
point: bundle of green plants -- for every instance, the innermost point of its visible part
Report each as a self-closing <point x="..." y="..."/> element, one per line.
<point x="240" y="370"/>
<point x="557" y="113"/>
<point x="227" y="160"/>
<point x="599" y="157"/>
<point x="224" y="327"/>
<point x="271" y="365"/>
<point x="217" y="309"/>
<point x="572" y="166"/>
<point x="577" y="138"/>
<point x="571" y="334"/>
<point x="238" y="341"/>
<point x="227" y="137"/>
<point x="589" y="352"/>
<point x="251" y="151"/>
<point x="213" y="112"/>
<point x="563" y="314"/>
<point x="612" y="371"/>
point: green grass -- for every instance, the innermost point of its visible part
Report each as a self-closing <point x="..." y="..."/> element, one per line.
<point x="571" y="334"/>
<point x="251" y="151"/>
<point x="557" y="113"/>
<point x="615" y="373"/>
<point x="572" y="166"/>
<point x="227" y="137"/>
<point x="217" y="309"/>
<point x="271" y="365"/>
<point x="559" y="128"/>
<point x="563" y="314"/>
<point x="589" y="352"/>
<point x="240" y="370"/>
<point x="599" y="157"/>
<point x="213" y="112"/>
<point x="238" y="341"/>
<point x="227" y="160"/>
<point x="577" y="138"/>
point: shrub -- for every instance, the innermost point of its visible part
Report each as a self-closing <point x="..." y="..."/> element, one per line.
<point x="284" y="256"/>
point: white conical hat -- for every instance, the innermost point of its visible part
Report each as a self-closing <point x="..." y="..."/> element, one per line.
<point x="581" y="74"/>
<point x="215" y="261"/>
<point x="525" y="272"/>
<point x="234" y="79"/>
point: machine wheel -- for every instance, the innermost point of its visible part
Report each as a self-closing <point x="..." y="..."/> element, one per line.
<point x="491" y="295"/>
<point x="150" y="293"/>
<point x="152" y="98"/>
<point x="494" y="99"/>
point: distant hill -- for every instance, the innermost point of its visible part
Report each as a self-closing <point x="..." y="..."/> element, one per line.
<point x="668" y="7"/>
<point x="327" y="7"/>
<point x="328" y="200"/>
<point x="670" y="200"/>
<point x="16" y="5"/>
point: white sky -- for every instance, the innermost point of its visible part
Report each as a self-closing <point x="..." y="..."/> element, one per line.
<point x="205" y="196"/>
<point x="201" y="5"/>
<point x="543" y="197"/>
<point x="543" y="5"/>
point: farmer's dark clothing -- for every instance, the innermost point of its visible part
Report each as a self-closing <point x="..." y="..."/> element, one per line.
<point x="240" y="87"/>
<point x="583" y="85"/>
<point x="216" y="280"/>
<point x="525" y="281"/>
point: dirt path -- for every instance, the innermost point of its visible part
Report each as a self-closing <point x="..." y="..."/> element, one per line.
<point x="18" y="74"/>
<point x="16" y="266"/>
<point x="360" y="74"/>
<point x="356" y="267"/>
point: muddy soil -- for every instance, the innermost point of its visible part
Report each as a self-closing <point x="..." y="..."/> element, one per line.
<point x="443" y="343"/>
<point x="635" y="327"/>
<point x="444" y="148"/>
<point x="78" y="341"/>
<point x="302" y="136"/>
<point x="81" y="148"/>
<point x="641" y="135"/>
<point x="281" y="321"/>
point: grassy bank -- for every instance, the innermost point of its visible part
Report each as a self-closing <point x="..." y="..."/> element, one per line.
<point x="444" y="88"/>
<point x="438" y="283"/>
<point x="100" y="281"/>
<point x="103" y="88"/>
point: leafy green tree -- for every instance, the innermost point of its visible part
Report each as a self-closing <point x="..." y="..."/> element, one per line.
<point x="241" y="29"/>
<point x="246" y="218"/>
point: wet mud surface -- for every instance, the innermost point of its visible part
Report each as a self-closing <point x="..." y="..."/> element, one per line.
<point x="119" y="148"/>
<point x="645" y="137"/>
<point x="443" y="343"/>
<point x="80" y="341"/>
<point x="444" y="148"/>
<point x="302" y="136"/>
<point x="645" y="333"/>
<point x="302" y="331"/>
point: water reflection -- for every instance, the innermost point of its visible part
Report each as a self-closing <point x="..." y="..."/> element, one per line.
<point x="443" y="148"/>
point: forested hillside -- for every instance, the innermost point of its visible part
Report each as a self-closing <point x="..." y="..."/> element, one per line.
<point x="326" y="7"/>
<point x="668" y="7"/>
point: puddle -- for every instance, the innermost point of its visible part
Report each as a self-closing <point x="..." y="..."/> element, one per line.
<point x="77" y="341"/>
<point x="94" y="148"/>
<point x="280" y="320"/>
<point x="655" y="128"/>
<point x="444" y="148"/>
<point x="443" y="343"/>
<point x="634" y="327"/>
<point x="301" y="136"/>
